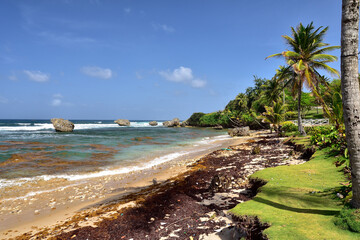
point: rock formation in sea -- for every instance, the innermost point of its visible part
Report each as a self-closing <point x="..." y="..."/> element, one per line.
<point x="153" y="123"/>
<point x="122" y="122"/>
<point x="173" y="123"/>
<point x="184" y="123"/>
<point x="240" y="131"/>
<point x="62" y="125"/>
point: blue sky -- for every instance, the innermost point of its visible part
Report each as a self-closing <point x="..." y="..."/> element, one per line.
<point x="103" y="59"/>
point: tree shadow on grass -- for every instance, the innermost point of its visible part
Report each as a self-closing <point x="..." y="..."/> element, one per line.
<point x="293" y="209"/>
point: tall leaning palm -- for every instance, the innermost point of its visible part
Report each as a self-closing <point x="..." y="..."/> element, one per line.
<point x="308" y="54"/>
<point x="350" y="89"/>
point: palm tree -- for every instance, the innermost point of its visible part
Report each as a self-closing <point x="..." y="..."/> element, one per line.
<point x="284" y="75"/>
<point x="307" y="55"/>
<point x="275" y="114"/>
<point x="350" y="89"/>
<point x="271" y="91"/>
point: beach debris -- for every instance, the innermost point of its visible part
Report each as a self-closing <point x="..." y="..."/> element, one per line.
<point x="226" y="149"/>
<point x="122" y="122"/>
<point x="339" y="195"/>
<point x="62" y="125"/>
<point x="255" y="150"/>
<point x="220" y="183"/>
<point x="155" y="181"/>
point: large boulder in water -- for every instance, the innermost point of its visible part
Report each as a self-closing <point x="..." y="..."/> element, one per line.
<point x="153" y="123"/>
<point x="239" y="132"/>
<point x="122" y="122"/>
<point x="173" y="123"/>
<point x="62" y="125"/>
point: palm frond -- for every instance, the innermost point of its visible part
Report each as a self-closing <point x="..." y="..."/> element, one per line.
<point x="324" y="57"/>
<point x="274" y="55"/>
<point x="327" y="68"/>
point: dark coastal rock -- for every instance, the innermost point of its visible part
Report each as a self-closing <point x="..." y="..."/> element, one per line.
<point x="122" y="122"/>
<point x="62" y="125"/>
<point x="238" y="132"/>
<point x="153" y="123"/>
<point x="173" y="123"/>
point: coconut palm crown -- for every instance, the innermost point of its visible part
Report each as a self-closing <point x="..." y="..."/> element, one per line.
<point x="306" y="56"/>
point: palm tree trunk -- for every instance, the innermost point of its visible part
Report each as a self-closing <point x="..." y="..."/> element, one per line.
<point x="300" y="126"/>
<point x="350" y="89"/>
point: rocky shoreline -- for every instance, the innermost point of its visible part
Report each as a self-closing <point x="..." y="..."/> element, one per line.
<point x="193" y="205"/>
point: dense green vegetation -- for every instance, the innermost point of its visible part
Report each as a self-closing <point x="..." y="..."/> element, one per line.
<point x="249" y="108"/>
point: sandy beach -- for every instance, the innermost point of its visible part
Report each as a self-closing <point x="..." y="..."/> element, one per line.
<point x="91" y="205"/>
<point x="56" y="201"/>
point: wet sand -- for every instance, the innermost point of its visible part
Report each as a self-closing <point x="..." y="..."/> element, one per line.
<point x="55" y="202"/>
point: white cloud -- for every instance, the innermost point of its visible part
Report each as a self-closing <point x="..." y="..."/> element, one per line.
<point x="127" y="10"/>
<point x="183" y="75"/>
<point x="3" y="100"/>
<point x="198" y="83"/>
<point x="37" y="76"/>
<point x="163" y="27"/>
<point x="57" y="95"/>
<point x="139" y="75"/>
<point x="13" y="77"/>
<point x="56" y="102"/>
<point x="97" y="72"/>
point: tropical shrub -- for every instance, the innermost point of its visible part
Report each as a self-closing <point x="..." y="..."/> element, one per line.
<point x="194" y="119"/>
<point x="316" y="130"/>
<point x="329" y="136"/>
<point x="215" y="119"/>
<point x="349" y="219"/>
<point x="288" y="127"/>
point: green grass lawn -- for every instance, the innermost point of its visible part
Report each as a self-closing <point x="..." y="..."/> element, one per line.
<point x="314" y="114"/>
<point x="299" y="201"/>
<point x="311" y="114"/>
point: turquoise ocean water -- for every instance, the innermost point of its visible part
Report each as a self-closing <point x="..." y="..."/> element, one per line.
<point x="31" y="149"/>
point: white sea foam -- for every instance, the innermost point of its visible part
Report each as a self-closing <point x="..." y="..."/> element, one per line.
<point x="78" y="126"/>
<point x="36" y="127"/>
<point x="31" y="194"/>
<point x="94" y="125"/>
<point x="24" y="124"/>
<point x="108" y="172"/>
